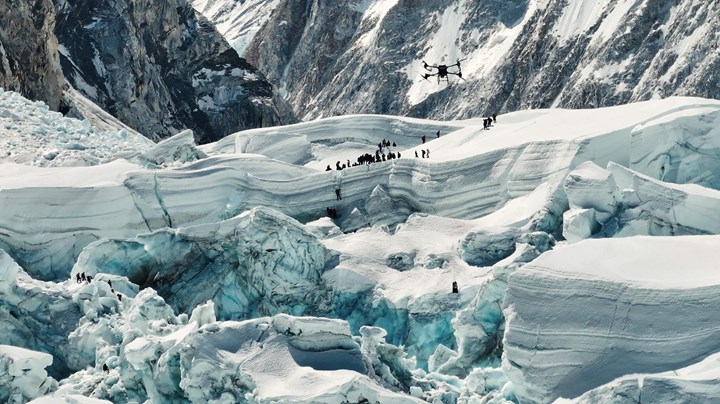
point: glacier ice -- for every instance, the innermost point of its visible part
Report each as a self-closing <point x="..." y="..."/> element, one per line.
<point x="260" y="262"/>
<point x="22" y="374"/>
<point x="202" y="266"/>
<point x="620" y="202"/>
<point x="612" y="307"/>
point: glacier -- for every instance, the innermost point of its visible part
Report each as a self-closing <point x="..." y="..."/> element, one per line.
<point x="173" y="272"/>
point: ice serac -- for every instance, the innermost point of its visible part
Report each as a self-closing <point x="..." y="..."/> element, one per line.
<point x="22" y="374"/>
<point x="682" y="147"/>
<point x="619" y="202"/>
<point x="37" y="316"/>
<point x="161" y="68"/>
<point x="261" y="262"/>
<point x="610" y="307"/>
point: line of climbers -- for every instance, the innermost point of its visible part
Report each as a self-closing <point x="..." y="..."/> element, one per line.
<point x="81" y="277"/>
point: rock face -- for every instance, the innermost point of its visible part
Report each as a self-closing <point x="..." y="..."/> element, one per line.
<point x="29" y="61"/>
<point x="160" y="69"/>
<point x="366" y="56"/>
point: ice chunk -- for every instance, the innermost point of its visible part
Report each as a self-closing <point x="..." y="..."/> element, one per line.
<point x="22" y="374"/>
<point x="484" y="248"/>
<point x="180" y="148"/>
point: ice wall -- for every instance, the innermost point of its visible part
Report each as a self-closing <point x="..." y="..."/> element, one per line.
<point x="610" y="307"/>
<point x="682" y="147"/>
<point x="22" y="374"/>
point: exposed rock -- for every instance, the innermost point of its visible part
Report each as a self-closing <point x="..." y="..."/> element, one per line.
<point x="160" y="69"/>
<point x="29" y="61"/>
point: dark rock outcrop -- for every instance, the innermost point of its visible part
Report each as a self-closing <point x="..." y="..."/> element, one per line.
<point x="29" y="61"/>
<point x="160" y="68"/>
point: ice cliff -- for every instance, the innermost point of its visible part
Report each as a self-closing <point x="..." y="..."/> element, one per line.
<point x="610" y="307"/>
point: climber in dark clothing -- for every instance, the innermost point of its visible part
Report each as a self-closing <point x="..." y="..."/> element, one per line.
<point x="423" y="153"/>
<point x="394" y="145"/>
<point x="455" y="287"/>
<point x="494" y="117"/>
<point x="337" y="194"/>
<point x="416" y="156"/>
<point x="423" y="138"/>
<point x="119" y="297"/>
<point x="337" y="166"/>
<point x="438" y="133"/>
<point x="427" y="153"/>
<point x="328" y="168"/>
<point x="484" y="123"/>
<point x="82" y="277"/>
<point x="106" y="369"/>
<point x="77" y="278"/>
<point x="89" y="278"/>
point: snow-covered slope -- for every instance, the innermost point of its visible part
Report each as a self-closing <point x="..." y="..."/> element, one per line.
<point x="366" y="56"/>
<point x="239" y="21"/>
<point x="234" y="271"/>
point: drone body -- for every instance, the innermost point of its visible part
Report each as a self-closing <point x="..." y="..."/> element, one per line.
<point x="442" y="71"/>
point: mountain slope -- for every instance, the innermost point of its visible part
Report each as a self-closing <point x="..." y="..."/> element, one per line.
<point x="162" y="71"/>
<point x="28" y="51"/>
<point x="366" y="56"/>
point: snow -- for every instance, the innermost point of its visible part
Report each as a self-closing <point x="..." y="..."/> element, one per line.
<point x="582" y="243"/>
<point x="237" y="21"/>
<point x="578" y="18"/>
<point x="609" y="25"/>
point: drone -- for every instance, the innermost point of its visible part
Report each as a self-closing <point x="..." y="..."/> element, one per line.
<point x="442" y="71"/>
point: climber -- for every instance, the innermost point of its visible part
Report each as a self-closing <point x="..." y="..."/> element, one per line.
<point x="494" y="117"/>
<point x="394" y="145"/>
<point x="428" y="153"/>
<point x="82" y="276"/>
<point x="328" y="168"/>
<point x="416" y="156"/>
<point x="77" y="278"/>
<point x="423" y="138"/>
<point x="106" y="369"/>
<point x="119" y="297"/>
<point x="337" y="166"/>
<point x="455" y="287"/>
<point x="423" y="153"/>
<point x="438" y="133"/>
<point x="337" y="194"/>
<point x="89" y="278"/>
<point x="485" y="123"/>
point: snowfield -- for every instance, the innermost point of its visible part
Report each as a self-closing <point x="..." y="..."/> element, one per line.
<point x="583" y="244"/>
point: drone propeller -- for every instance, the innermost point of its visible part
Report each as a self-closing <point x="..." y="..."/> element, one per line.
<point x="429" y="67"/>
